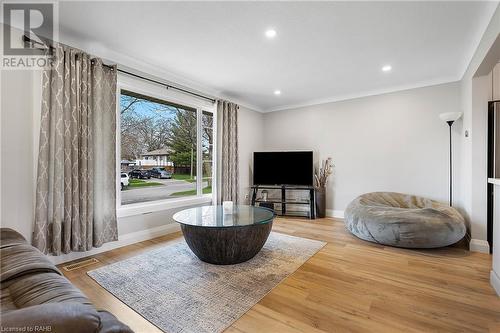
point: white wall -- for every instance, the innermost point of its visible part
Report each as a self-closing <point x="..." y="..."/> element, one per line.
<point x="20" y="94"/>
<point x="250" y="139"/>
<point x="391" y="142"/>
<point x="18" y="177"/>
<point x="481" y="94"/>
<point x="473" y="176"/>
<point x="496" y="81"/>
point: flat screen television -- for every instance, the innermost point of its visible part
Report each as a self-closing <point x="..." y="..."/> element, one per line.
<point x="283" y="168"/>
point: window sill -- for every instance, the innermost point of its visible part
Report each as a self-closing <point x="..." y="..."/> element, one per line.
<point x="157" y="206"/>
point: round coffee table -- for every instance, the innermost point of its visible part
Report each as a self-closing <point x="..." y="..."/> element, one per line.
<point x="225" y="239"/>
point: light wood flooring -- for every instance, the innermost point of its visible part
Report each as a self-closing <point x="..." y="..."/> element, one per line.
<point x="349" y="286"/>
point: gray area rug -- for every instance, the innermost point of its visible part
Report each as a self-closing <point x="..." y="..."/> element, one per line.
<point x="177" y="292"/>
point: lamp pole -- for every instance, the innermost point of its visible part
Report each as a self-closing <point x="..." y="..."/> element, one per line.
<point x="450" y="123"/>
<point x="450" y="118"/>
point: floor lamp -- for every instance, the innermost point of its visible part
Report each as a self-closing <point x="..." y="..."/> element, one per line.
<point x="450" y="118"/>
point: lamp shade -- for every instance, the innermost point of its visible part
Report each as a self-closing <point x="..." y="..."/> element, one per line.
<point x="450" y="116"/>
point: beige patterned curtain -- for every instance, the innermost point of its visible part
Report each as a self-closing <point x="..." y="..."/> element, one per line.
<point x="229" y="182"/>
<point x="76" y="195"/>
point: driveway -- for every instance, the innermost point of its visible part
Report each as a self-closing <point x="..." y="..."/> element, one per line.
<point x="144" y="194"/>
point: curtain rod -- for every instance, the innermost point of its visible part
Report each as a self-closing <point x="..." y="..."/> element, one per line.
<point x="167" y="85"/>
<point x="26" y="39"/>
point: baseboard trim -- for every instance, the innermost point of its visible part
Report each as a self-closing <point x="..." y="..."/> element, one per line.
<point x="479" y="245"/>
<point x="335" y="213"/>
<point x="495" y="281"/>
<point x="123" y="240"/>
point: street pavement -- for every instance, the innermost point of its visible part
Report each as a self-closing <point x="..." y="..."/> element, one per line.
<point x="152" y="193"/>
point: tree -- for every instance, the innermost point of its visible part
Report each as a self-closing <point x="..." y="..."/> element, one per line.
<point x="207" y="145"/>
<point x="145" y="126"/>
<point x="148" y="125"/>
<point x="127" y="102"/>
<point x="182" y="158"/>
<point x="182" y="139"/>
<point x="183" y="131"/>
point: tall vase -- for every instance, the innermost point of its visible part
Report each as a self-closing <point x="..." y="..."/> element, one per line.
<point x="320" y="202"/>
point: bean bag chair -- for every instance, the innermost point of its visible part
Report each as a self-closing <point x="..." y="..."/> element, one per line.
<point x="404" y="220"/>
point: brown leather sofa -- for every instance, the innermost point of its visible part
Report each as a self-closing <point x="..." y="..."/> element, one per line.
<point x="36" y="297"/>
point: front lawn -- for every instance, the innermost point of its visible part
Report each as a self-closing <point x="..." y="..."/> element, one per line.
<point x="206" y="190"/>
<point x="137" y="183"/>
<point x="184" y="177"/>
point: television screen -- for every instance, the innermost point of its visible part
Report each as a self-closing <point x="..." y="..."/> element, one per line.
<point x="283" y="168"/>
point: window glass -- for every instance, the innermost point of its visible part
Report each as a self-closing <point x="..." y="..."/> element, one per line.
<point x="159" y="149"/>
<point x="207" y="146"/>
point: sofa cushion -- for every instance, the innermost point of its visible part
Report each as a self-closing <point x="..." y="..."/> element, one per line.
<point x="34" y="294"/>
<point x="54" y="318"/>
<point x="21" y="259"/>
<point x="9" y="237"/>
<point x="109" y="324"/>
<point x="36" y="289"/>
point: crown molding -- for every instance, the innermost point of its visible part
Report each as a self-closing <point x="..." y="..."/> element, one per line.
<point x="341" y="98"/>
<point x="488" y="20"/>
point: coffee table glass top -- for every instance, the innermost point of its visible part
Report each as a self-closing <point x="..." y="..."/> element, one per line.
<point x="213" y="216"/>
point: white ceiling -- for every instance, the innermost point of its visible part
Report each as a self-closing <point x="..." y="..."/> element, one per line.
<point x="323" y="51"/>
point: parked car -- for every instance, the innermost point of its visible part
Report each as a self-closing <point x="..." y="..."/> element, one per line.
<point x="124" y="179"/>
<point x="158" y="172"/>
<point x="139" y="174"/>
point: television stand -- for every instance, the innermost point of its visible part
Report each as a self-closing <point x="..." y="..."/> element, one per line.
<point x="283" y="201"/>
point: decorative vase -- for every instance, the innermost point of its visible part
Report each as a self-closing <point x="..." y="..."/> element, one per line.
<point x="320" y="202"/>
<point x="227" y="207"/>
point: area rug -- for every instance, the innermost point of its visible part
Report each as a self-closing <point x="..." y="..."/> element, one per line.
<point x="177" y="292"/>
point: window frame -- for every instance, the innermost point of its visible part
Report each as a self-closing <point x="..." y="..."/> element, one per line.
<point x="214" y="155"/>
<point x="160" y="92"/>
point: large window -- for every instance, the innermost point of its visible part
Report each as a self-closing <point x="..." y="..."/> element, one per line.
<point x="164" y="147"/>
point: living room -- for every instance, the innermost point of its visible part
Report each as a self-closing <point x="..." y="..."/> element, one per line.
<point x="250" y="166"/>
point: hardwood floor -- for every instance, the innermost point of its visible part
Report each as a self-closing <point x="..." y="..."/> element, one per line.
<point x="348" y="286"/>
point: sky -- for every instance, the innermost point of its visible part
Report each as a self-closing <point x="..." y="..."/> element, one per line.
<point x="149" y="109"/>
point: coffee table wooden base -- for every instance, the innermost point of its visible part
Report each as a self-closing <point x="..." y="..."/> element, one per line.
<point x="226" y="246"/>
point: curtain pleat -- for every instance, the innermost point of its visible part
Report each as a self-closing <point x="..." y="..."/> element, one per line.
<point x="229" y="188"/>
<point x="104" y="100"/>
<point x="78" y="103"/>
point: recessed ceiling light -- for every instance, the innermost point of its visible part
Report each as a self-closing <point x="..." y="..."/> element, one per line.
<point x="387" y="68"/>
<point x="277" y="92"/>
<point x="270" y="33"/>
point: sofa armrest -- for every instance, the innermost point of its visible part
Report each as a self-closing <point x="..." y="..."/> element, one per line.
<point x="109" y="324"/>
<point x="53" y="318"/>
<point x="9" y="237"/>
